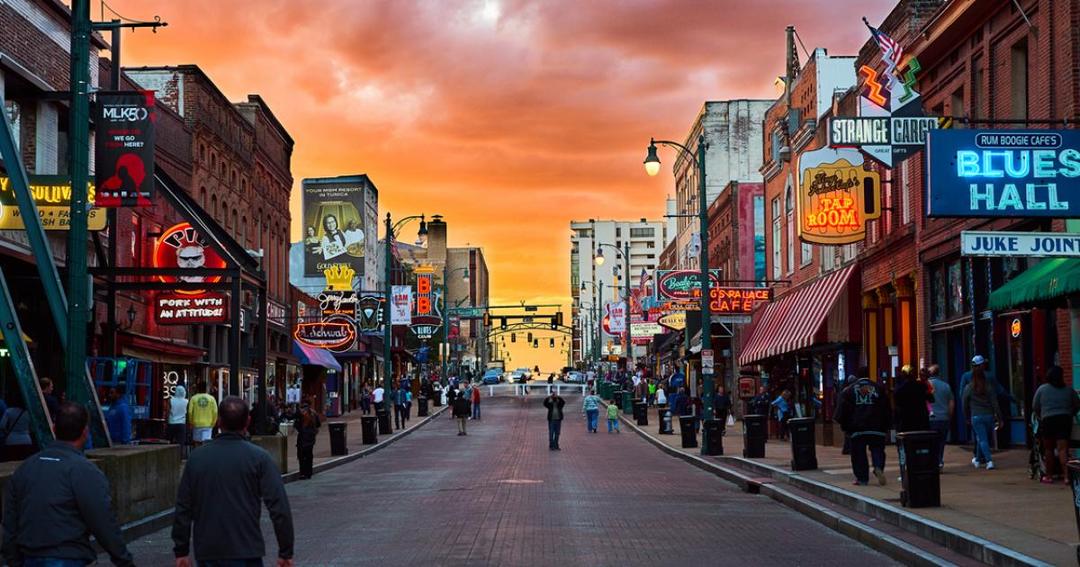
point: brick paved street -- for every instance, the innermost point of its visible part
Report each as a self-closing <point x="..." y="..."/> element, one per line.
<point x="499" y="497"/>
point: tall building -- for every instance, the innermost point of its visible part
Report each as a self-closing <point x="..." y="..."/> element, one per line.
<point x="645" y="239"/>
<point x="468" y="347"/>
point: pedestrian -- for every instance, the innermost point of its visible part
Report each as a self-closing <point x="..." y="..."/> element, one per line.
<point x="15" y="434"/>
<point x="118" y="417"/>
<point x="451" y="396"/>
<point x="476" y="403"/>
<point x="202" y="415"/>
<point x="408" y="404"/>
<point x="782" y="403"/>
<point x="178" y="405"/>
<point x="52" y="403"/>
<point x="984" y="415"/>
<point x="864" y="415"/>
<point x="365" y="399"/>
<point x="460" y="411"/>
<point x="377" y="396"/>
<point x="848" y="382"/>
<point x="661" y="395"/>
<point x="911" y="397"/>
<point x="307" y="432"/>
<point x="220" y="492"/>
<point x="554" y="404"/>
<point x="613" y="418"/>
<point x="57" y="499"/>
<point x="942" y="409"/>
<point x="759" y="404"/>
<point x="722" y="408"/>
<point x="398" y="397"/>
<point x="590" y="408"/>
<point x="1055" y="405"/>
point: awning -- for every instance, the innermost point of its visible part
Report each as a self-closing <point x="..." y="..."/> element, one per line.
<point x="1046" y="281"/>
<point x="158" y="349"/>
<point x="791" y="322"/>
<point x="315" y="356"/>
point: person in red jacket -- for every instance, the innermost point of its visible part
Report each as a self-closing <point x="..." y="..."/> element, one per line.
<point x="476" y="402"/>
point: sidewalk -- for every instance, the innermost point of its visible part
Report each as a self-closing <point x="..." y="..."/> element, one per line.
<point x="1003" y="505"/>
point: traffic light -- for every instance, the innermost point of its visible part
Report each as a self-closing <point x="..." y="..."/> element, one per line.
<point x="513" y="337"/>
<point x="554" y="324"/>
<point x="558" y="319"/>
<point x="552" y="343"/>
<point x="529" y="337"/>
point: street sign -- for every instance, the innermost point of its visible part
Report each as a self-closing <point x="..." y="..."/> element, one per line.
<point x="737" y="319"/>
<point x="1027" y="244"/>
<point x="707" y="361"/>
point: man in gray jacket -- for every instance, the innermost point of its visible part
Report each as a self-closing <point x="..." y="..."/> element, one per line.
<point x="57" y="498"/>
<point x="220" y="491"/>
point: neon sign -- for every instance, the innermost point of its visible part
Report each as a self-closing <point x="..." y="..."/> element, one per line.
<point x="181" y="246"/>
<point x="836" y="196"/>
<point x="739" y="300"/>
<point x="325" y="334"/>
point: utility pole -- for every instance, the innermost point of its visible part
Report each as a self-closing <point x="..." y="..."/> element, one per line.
<point x="627" y="341"/>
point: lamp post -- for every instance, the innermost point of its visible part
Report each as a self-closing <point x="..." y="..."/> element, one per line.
<point x="652" y="167"/>
<point x="597" y="320"/>
<point x="421" y="236"/>
<point x="446" y="312"/>
<point x="625" y="255"/>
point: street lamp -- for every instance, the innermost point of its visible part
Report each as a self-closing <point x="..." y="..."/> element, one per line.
<point x="446" y="312"/>
<point x="421" y="237"/>
<point x="652" y="167"/>
<point x="623" y="253"/>
<point x="596" y="320"/>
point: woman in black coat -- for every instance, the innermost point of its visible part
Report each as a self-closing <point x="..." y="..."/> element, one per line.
<point x="307" y="430"/>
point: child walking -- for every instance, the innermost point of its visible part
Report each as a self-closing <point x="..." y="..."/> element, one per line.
<point x="612" y="418"/>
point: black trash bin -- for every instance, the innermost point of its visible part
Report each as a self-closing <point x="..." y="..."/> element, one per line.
<point x="919" y="472"/>
<point x="337" y="439"/>
<point x="421" y="406"/>
<point x="437" y="400"/>
<point x="369" y="425"/>
<point x="755" y="433"/>
<point x="385" y="427"/>
<point x="664" y="417"/>
<point x="803" y="451"/>
<point x="641" y="413"/>
<point x="712" y="437"/>
<point x="617" y="399"/>
<point x="688" y="429"/>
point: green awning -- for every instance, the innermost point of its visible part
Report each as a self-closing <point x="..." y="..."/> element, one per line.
<point x="1048" y="280"/>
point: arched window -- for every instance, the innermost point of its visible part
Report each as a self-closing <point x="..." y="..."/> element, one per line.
<point x="202" y="152"/>
<point x="213" y="206"/>
<point x="202" y="197"/>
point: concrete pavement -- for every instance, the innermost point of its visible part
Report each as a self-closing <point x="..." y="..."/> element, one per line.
<point x="500" y="497"/>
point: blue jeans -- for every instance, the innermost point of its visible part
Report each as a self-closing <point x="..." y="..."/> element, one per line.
<point x="942" y="428"/>
<point x="476" y="410"/>
<point x="554" y="429"/>
<point x="612" y="424"/>
<point x="983" y="428"/>
<point x="859" y="445"/>
<point x="52" y="562"/>
<point x="592" y="416"/>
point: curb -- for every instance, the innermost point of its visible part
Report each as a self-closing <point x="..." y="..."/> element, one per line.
<point x="150" y="524"/>
<point x="991" y="553"/>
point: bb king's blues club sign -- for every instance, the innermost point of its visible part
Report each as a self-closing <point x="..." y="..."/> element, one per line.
<point x="1003" y="173"/>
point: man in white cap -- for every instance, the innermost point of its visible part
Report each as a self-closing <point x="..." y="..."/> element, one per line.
<point x="965" y="379"/>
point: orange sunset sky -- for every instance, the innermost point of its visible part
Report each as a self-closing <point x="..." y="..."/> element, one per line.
<point x="510" y="118"/>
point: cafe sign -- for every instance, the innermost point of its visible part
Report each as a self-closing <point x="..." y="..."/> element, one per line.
<point x="738" y="300"/>
<point x="836" y="196"/>
<point x="682" y="285"/>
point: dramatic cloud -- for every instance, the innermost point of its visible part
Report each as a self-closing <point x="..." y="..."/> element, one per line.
<point x="510" y="118"/>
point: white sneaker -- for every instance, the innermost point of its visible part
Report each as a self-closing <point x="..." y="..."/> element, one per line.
<point x="975" y="462"/>
<point x="989" y="465"/>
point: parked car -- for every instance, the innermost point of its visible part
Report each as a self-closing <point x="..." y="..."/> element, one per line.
<point x="575" y="377"/>
<point x="520" y="376"/>
<point x="492" y="376"/>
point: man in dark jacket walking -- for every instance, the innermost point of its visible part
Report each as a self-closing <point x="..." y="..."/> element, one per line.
<point x="461" y="410"/>
<point x="220" y="491"/>
<point x="554" y="404"/>
<point x="307" y="432"/>
<point x="57" y="498"/>
<point x="864" y="414"/>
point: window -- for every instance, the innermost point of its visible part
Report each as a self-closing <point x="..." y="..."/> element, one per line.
<point x="618" y="232"/>
<point x="647" y="232"/>
<point x="828" y="258"/>
<point x="136" y="240"/>
<point x="789" y="208"/>
<point x="905" y="193"/>
<point x="650" y="244"/>
<point x="14" y="112"/>
<point x="1018" y="79"/>
<point x="956" y="102"/>
<point x="776" y="273"/>
<point x="976" y="88"/>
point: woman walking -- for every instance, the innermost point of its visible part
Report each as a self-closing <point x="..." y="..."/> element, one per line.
<point x="1054" y="405"/>
<point x="591" y="408"/>
<point x="984" y="415"/>
<point x="307" y="430"/>
<point x="178" y="419"/>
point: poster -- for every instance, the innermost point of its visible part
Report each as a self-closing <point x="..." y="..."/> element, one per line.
<point x="181" y="246"/>
<point x="124" y="149"/>
<point x="400" y="305"/>
<point x="336" y="231"/>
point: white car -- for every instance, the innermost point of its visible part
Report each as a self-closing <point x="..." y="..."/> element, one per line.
<point x="575" y="377"/>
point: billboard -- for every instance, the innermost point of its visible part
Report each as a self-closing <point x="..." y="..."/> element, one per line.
<point x="336" y="227"/>
<point x="52" y="195"/>
<point x="1003" y="173"/>
<point x="836" y="196"/>
<point x="181" y="246"/>
<point x="124" y="149"/>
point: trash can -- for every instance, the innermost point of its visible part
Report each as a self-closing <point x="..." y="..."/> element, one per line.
<point x="712" y="437"/>
<point x="385" y="427"/>
<point x="641" y="413"/>
<point x="337" y="439"/>
<point x="628" y="402"/>
<point x="755" y="433"/>
<point x="616" y="398"/>
<point x="664" y="417"/>
<point x="369" y="425"/>
<point x="688" y="429"/>
<point x="421" y="406"/>
<point x="437" y="400"/>
<point x="919" y="472"/>
<point x="803" y="451"/>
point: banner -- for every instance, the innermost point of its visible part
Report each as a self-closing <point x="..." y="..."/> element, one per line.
<point x="124" y="149"/>
<point x="181" y="246"/>
<point x="616" y="313"/>
<point x="836" y="196"/>
<point x="52" y="195"/>
<point x="400" y="305"/>
<point x="1003" y="173"/>
<point x="335" y="229"/>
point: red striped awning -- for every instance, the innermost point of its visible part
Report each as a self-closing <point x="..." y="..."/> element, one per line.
<point x="791" y="322"/>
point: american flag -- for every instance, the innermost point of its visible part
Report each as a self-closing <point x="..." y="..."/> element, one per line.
<point x="645" y="279"/>
<point x="891" y="50"/>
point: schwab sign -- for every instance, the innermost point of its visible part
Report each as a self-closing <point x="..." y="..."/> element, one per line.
<point x="994" y="243"/>
<point x="1003" y="173"/>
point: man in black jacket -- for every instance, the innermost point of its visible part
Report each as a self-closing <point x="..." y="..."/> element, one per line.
<point x="864" y="414"/>
<point x="220" y="491"/>
<point x="57" y="498"/>
<point x="554" y="404"/>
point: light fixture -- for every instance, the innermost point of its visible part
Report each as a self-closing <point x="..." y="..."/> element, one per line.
<point x="652" y="161"/>
<point x="465" y="276"/>
<point x="131" y="313"/>
<point x="421" y="235"/>
<point x="598" y="258"/>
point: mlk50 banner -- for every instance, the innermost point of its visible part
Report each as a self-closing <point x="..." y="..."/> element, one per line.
<point x="335" y="230"/>
<point x="124" y="150"/>
<point x="400" y="305"/>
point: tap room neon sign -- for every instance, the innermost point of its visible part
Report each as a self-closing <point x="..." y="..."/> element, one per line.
<point x="1003" y="173"/>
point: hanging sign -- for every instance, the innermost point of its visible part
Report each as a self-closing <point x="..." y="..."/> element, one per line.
<point x="426" y="321"/>
<point x="723" y="300"/>
<point x="1004" y="173"/>
<point x="124" y="149"/>
<point x="616" y="313"/>
<point x="52" y="195"/>
<point x="338" y="303"/>
<point x="335" y="334"/>
<point x="645" y="329"/>
<point x="204" y="309"/>
<point x="707" y="361"/>
<point x="400" y="304"/>
<point x="836" y="196"/>
<point x="1016" y="244"/>
<point x="181" y="246"/>
<point x="369" y="314"/>
<point x="675" y="321"/>
<point x="682" y="285"/>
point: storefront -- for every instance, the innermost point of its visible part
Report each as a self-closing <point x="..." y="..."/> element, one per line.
<point x="319" y="378"/>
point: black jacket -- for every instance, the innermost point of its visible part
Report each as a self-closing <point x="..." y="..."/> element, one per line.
<point x="220" y="491"/>
<point x="911" y="411"/>
<point x="864" y="408"/>
<point x="53" y="503"/>
<point x="554" y="405"/>
<point x="461" y="406"/>
<point x="307" y="434"/>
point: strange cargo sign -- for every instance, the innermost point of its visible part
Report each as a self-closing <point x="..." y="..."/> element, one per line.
<point x="1003" y="173"/>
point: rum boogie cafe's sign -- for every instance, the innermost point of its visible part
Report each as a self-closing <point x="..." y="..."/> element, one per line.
<point x="1003" y="173"/>
<point x="682" y="284"/>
